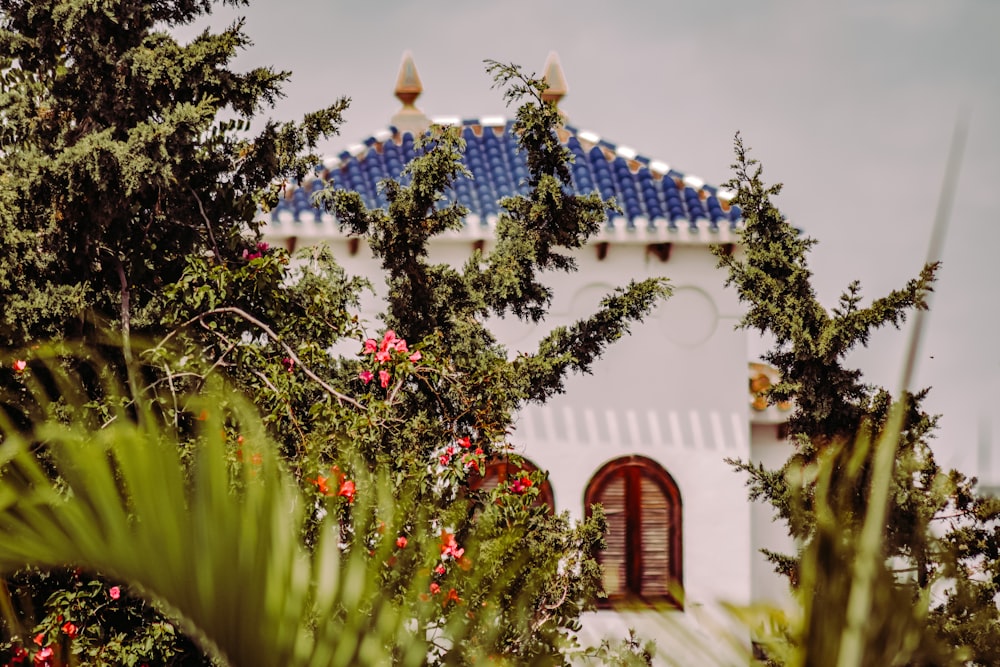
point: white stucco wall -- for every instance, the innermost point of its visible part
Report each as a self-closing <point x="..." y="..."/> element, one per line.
<point x="770" y="449"/>
<point x="675" y="390"/>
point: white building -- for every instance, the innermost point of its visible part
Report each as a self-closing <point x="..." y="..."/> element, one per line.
<point x="648" y="432"/>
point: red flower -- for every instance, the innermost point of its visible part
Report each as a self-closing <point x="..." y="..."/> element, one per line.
<point x="20" y="655"/>
<point x="347" y="490"/>
<point x="320" y="483"/>
<point x="440" y="569"/>
<point x="19" y="365"/>
<point x="444" y="459"/>
<point x="435" y="588"/>
<point x="366" y="376"/>
<point x="115" y="592"/>
<point x="70" y="630"/>
<point x="40" y="638"/>
<point x="401" y="542"/>
<point x="289" y="363"/>
<point x="452" y="597"/>
<point x="464" y="443"/>
<point x="383" y="378"/>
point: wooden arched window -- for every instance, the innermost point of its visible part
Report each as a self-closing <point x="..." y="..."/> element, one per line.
<point x="506" y="469"/>
<point x="642" y="559"/>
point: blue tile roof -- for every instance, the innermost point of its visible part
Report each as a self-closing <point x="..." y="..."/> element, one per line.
<point x="651" y="195"/>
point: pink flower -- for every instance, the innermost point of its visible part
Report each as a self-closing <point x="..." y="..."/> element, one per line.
<point x="401" y="542"/>
<point x="115" y="592"/>
<point x="449" y="547"/>
<point x="370" y="345"/>
<point x="521" y="485"/>
<point x="382" y="356"/>
<point x="289" y="363"/>
<point x="19" y="365"/>
<point x="347" y="490"/>
<point x="262" y="246"/>
<point x="250" y="256"/>
<point x="366" y="376"/>
<point x="70" y="630"/>
<point x="416" y="356"/>
<point x="400" y="346"/>
<point x="389" y="339"/>
<point x="383" y="378"/>
<point x="435" y="589"/>
<point x="440" y="569"/>
<point x="44" y="657"/>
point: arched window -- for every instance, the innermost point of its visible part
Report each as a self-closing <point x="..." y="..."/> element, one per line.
<point x="642" y="559"/>
<point x="505" y="469"/>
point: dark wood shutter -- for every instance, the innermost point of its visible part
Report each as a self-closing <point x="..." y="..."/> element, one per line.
<point x="654" y="527"/>
<point x="642" y="504"/>
<point x="614" y="558"/>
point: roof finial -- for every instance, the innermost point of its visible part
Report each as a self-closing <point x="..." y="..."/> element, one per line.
<point x="555" y="78"/>
<point x="408" y="89"/>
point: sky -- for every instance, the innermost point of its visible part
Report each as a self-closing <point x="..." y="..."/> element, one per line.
<point x="851" y="105"/>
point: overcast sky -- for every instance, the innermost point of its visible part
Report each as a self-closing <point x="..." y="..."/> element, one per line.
<point x="850" y="104"/>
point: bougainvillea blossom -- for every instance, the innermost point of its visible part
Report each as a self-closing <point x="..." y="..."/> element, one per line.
<point x="321" y="483"/>
<point x="521" y="485"/>
<point x="347" y="490"/>
<point x="449" y="547"/>
<point x="44" y="657"/>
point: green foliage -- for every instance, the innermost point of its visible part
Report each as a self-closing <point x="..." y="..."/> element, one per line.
<point x="115" y="151"/>
<point x="129" y="186"/>
<point x="930" y="560"/>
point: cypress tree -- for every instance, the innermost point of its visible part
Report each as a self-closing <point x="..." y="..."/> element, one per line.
<point x="940" y="546"/>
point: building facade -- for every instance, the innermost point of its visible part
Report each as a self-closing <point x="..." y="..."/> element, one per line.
<point x="647" y="434"/>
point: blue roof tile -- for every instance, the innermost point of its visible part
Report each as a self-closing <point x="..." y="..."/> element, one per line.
<point x="645" y="194"/>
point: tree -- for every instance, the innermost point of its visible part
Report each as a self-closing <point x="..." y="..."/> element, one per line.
<point x="940" y="544"/>
<point x="117" y="161"/>
<point x="125" y="218"/>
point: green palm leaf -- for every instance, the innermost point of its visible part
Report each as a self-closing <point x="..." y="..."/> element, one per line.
<point x="215" y="544"/>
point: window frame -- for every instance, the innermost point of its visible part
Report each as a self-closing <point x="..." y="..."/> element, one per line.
<point x="633" y="468"/>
